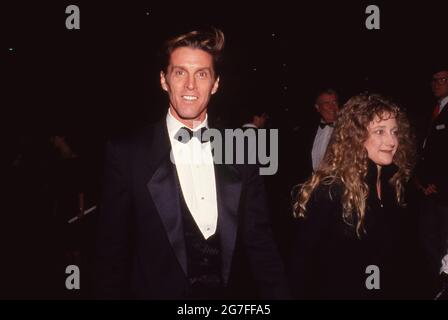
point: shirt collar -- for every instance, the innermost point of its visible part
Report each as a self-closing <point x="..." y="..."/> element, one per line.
<point x="443" y="102"/>
<point x="328" y="127"/>
<point x="174" y="125"/>
<point x="249" y="125"/>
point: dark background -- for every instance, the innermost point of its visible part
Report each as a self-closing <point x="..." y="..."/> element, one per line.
<point x="103" y="80"/>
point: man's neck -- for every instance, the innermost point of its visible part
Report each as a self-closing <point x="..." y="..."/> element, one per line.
<point x="190" y="123"/>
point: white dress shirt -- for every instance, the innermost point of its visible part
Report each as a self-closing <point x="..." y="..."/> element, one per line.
<point x="444" y="267"/>
<point x="249" y="125"/>
<point x="196" y="172"/>
<point x="443" y="103"/>
<point x="320" y="145"/>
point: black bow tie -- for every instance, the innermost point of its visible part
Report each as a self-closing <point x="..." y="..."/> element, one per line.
<point x="323" y="125"/>
<point x="185" y="134"/>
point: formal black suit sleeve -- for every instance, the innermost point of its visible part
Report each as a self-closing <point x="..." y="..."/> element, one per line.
<point x="112" y="246"/>
<point x="264" y="258"/>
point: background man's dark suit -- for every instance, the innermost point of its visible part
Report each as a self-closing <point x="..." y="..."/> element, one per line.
<point x="307" y="133"/>
<point x="433" y="169"/>
<point x="300" y="162"/>
<point x="295" y="166"/>
<point x="141" y="247"/>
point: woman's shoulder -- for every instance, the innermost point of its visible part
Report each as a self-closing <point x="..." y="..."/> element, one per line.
<point x="324" y="206"/>
<point x="330" y="190"/>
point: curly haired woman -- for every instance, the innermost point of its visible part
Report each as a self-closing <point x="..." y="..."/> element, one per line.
<point x="350" y="212"/>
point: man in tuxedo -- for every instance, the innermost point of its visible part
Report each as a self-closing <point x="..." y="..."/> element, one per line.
<point x="256" y="119"/>
<point x="327" y="105"/>
<point x="172" y="228"/>
<point x="312" y="141"/>
<point x="442" y="290"/>
<point x="432" y="176"/>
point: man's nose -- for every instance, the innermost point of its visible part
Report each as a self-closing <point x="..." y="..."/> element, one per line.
<point x="191" y="83"/>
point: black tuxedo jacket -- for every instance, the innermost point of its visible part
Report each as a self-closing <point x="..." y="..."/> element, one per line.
<point x="141" y="248"/>
<point x="433" y="167"/>
<point x="301" y="163"/>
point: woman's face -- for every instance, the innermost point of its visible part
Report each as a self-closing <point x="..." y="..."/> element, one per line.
<point x="382" y="142"/>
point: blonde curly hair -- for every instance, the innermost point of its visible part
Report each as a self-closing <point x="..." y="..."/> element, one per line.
<point x="346" y="158"/>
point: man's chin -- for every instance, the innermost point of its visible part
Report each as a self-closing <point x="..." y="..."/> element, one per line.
<point x="188" y="117"/>
<point x="186" y="113"/>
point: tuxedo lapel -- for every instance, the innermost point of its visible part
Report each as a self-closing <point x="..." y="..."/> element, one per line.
<point x="443" y="115"/>
<point x="165" y="194"/>
<point x="228" y="189"/>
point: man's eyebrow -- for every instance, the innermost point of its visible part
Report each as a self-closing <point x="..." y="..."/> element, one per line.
<point x="199" y="70"/>
<point x="179" y="67"/>
<point x="204" y="69"/>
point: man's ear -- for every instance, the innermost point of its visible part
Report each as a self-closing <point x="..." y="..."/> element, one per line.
<point x="215" y="86"/>
<point x="317" y="107"/>
<point x="163" y="81"/>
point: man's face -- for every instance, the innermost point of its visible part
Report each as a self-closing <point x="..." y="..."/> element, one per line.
<point x="440" y="84"/>
<point x="190" y="81"/>
<point x="57" y="141"/>
<point x="328" y="106"/>
<point x="260" y="121"/>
